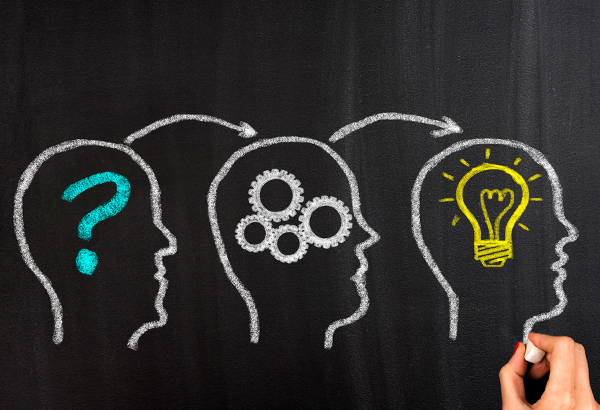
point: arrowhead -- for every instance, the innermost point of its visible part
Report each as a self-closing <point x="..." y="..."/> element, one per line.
<point x="448" y="127"/>
<point x="246" y="130"/>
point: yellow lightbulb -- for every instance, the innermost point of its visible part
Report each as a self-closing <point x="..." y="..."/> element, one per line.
<point x="494" y="252"/>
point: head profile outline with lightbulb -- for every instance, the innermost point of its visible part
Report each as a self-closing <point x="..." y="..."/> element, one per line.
<point x="493" y="252"/>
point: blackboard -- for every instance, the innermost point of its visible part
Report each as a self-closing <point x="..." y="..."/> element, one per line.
<point x="368" y="112"/>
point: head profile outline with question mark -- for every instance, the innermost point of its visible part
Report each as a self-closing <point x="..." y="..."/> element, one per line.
<point x="156" y="215"/>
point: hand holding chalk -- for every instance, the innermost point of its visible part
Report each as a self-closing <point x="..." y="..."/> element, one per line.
<point x="568" y="386"/>
<point x="533" y="354"/>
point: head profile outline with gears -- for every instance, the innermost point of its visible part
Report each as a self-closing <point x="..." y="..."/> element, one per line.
<point x="278" y="223"/>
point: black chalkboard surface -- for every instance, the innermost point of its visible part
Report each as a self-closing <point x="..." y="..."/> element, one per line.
<point x="308" y="204"/>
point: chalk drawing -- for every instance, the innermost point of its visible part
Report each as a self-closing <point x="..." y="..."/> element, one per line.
<point x="302" y="231"/>
<point x="19" y="223"/>
<point x="495" y="231"/>
<point x="290" y="210"/>
<point x="446" y="127"/>
<point x="302" y="244"/>
<point x="494" y="251"/>
<point x="241" y="237"/>
<point x="87" y="260"/>
<point x="244" y="129"/>
<point x="557" y="203"/>
<point x="345" y="218"/>
<point x="358" y="278"/>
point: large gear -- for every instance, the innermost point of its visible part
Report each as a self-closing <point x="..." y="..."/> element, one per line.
<point x="241" y="237"/>
<point x="292" y="208"/>
<point x="302" y="244"/>
<point x="345" y="218"/>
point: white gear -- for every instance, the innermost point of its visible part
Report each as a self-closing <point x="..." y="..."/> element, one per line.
<point x="302" y="244"/>
<point x="292" y="208"/>
<point x="241" y="237"/>
<point x="345" y="224"/>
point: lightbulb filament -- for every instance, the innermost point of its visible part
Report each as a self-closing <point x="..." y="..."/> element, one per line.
<point x="495" y="231"/>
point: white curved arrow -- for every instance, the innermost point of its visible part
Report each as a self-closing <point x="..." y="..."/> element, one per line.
<point x="244" y="129"/>
<point x="447" y="126"/>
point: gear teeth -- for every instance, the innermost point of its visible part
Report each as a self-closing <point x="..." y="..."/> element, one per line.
<point x="302" y="244"/>
<point x="345" y="224"/>
<point x="241" y="238"/>
<point x="276" y="216"/>
<point x="303" y="231"/>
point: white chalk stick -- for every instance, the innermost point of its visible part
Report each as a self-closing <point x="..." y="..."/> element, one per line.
<point x="533" y="354"/>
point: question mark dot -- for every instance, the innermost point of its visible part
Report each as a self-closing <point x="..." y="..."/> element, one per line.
<point x="86" y="261"/>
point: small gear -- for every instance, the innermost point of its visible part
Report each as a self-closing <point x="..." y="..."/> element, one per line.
<point x="241" y="237"/>
<point x="292" y="208"/>
<point x="345" y="218"/>
<point x="302" y="244"/>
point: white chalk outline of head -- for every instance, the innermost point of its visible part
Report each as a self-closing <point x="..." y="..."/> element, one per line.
<point x="25" y="182"/>
<point x="359" y="278"/>
<point x="557" y="202"/>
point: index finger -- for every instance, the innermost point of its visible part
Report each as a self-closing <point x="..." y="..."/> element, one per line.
<point x="561" y="356"/>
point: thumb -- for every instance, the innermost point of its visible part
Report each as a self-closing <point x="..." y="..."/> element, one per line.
<point x="511" y="380"/>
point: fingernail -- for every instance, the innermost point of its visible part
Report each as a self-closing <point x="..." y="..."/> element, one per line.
<point x="516" y="347"/>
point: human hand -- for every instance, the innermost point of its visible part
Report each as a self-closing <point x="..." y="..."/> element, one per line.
<point x="568" y="386"/>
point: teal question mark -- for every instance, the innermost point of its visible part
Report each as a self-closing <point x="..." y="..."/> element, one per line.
<point x="87" y="260"/>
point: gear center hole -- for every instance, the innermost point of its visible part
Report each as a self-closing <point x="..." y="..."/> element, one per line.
<point x="325" y="222"/>
<point x="255" y="233"/>
<point x="276" y="195"/>
<point x="288" y="243"/>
